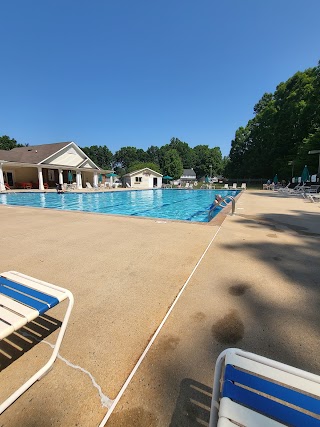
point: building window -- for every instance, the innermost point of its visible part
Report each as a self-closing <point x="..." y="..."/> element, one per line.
<point x="138" y="179"/>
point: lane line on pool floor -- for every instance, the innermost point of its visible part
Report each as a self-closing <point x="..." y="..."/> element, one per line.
<point x="143" y="355"/>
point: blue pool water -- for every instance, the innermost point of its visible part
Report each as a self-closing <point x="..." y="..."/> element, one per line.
<point x="186" y="205"/>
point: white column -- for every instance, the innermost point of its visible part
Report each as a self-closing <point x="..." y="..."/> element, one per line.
<point x="95" y="179"/>
<point x="40" y="179"/>
<point x="79" y="180"/>
<point x="60" y="176"/>
<point x="2" y="187"/>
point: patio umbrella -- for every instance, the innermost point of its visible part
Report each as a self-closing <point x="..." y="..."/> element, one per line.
<point x="70" y="177"/>
<point x="305" y="174"/>
<point x="275" y="179"/>
<point x="206" y="180"/>
<point x="111" y="175"/>
<point x="167" y="178"/>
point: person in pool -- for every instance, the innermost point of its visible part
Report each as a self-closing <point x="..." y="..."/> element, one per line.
<point x="218" y="199"/>
<point x="59" y="189"/>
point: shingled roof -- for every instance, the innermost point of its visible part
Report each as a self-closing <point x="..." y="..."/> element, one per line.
<point x="32" y="154"/>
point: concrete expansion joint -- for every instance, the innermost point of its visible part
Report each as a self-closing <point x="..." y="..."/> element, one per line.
<point x="105" y="400"/>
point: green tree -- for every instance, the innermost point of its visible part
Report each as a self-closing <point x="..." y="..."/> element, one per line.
<point x="7" y="143"/>
<point x="225" y="162"/>
<point x="125" y="157"/>
<point x="207" y="160"/>
<point x="142" y="156"/>
<point x="142" y="165"/>
<point x="285" y="126"/>
<point x="100" y="155"/>
<point x="185" y="152"/>
<point x="153" y="154"/>
<point x="172" y="164"/>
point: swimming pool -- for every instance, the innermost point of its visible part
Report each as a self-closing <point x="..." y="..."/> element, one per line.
<point x="185" y="205"/>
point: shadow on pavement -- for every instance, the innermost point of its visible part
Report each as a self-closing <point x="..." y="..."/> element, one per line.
<point x="18" y="343"/>
<point x="193" y="405"/>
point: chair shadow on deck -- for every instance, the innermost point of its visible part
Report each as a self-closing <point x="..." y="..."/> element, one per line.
<point x="21" y="341"/>
<point x="193" y="405"/>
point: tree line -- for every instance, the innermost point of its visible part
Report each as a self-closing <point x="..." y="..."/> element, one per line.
<point x="170" y="159"/>
<point x="285" y="127"/>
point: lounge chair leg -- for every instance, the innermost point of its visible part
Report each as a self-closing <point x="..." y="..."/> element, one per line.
<point x="48" y="366"/>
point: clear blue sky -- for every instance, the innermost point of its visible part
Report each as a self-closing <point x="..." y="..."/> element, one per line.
<point x="138" y="72"/>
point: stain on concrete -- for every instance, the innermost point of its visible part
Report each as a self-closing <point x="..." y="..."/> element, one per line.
<point x="229" y="329"/>
<point x="136" y="417"/>
<point x="273" y="235"/>
<point x="198" y="317"/>
<point x="238" y="290"/>
<point x="277" y="258"/>
<point x="168" y="343"/>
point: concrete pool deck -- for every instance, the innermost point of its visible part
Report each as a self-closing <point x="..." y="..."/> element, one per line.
<point x="257" y="287"/>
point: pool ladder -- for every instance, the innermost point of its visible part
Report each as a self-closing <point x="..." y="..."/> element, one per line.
<point x="223" y="204"/>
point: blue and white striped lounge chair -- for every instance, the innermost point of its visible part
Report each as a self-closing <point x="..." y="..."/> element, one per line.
<point x="22" y="300"/>
<point x="251" y="390"/>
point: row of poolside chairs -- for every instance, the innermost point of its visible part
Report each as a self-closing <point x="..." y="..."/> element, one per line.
<point x="234" y="186"/>
<point x="307" y="191"/>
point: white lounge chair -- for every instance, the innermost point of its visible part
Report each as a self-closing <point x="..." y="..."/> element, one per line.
<point x="313" y="189"/>
<point x="312" y="197"/>
<point x="234" y="186"/>
<point x="226" y="186"/>
<point x="244" y="186"/>
<point x="251" y="390"/>
<point x="287" y="187"/>
<point x="89" y="186"/>
<point x="22" y="300"/>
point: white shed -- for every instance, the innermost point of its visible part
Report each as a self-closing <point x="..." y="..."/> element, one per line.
<point x="142" y="179"/>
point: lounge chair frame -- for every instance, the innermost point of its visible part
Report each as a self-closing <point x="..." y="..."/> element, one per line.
<point x="19" y="295"/>
<point x="251" y="390"/>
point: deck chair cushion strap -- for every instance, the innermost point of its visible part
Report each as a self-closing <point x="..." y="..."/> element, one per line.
<point x="36" y="284"/>
<point x="268" y="407"/>
<point x="238" y="414"/>
<point x="299" y="380"/>
<point x="9" y="284"/>
<point x="31" y="302"/>
<point x="286" y="394"/>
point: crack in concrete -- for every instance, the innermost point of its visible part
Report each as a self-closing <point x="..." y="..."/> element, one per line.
<point x="105" y="400"/>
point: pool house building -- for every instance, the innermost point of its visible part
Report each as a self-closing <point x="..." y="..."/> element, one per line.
<point x="44" y="166"/>
<point x="143" y="179"/>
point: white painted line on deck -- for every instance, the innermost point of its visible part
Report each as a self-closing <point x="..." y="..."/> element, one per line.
<point x="143" y="355"/>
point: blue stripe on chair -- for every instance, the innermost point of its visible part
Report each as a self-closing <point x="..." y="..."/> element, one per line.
<point x="267" y="407"/>
<point x="33" y="303"/>
<point x="50" y="300"/>
<point x="301" y="400"/>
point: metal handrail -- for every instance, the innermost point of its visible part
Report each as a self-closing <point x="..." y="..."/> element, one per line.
<point x="223" y="206"/>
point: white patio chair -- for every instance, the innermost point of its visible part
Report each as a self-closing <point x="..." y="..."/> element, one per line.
<point x="244" y="186"/>
<point x="251" y="390"/>
<point x="312" y="197"/>
<point x="22" y="300"/>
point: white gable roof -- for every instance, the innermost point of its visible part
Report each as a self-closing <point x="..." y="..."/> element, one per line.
<point x="72" y="156"/>
<point x="144" y="170"/>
